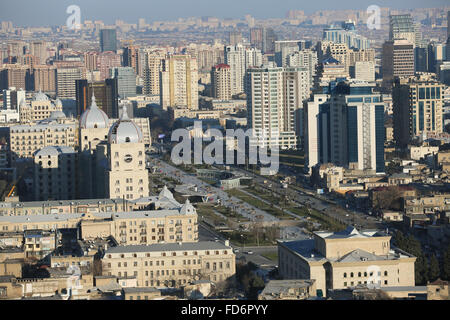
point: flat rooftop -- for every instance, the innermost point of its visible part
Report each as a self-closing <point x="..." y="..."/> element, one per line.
<point x="164" y="247"/>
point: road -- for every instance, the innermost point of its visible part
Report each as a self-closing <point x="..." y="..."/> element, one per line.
<point x="306" y="198"/>
<point x="248" y="211"/>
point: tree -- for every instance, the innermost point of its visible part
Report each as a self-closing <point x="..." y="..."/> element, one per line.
<point x="446" y="265"/>
<point x="433" y="270"/>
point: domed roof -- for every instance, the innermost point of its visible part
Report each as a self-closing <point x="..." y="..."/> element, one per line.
<point x="53" y="151"/>
<point x="125" y="130"/>
<point x="94" y="117"/>
<point x="58" y="103"/>
<point x="57" y="115"/>
<point x="165" y="193"/>
<point x="40" y="96"/>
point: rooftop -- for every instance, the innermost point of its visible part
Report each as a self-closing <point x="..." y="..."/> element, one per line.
<point x="185" y="246"/>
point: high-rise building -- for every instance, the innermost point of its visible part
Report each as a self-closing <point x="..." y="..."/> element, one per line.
<point x="153" y="66"/>
<point x="402" y="27"/>
<point x="234" y="38"/>
<point x="106" y="61"/>
<point x="126" y="81"/>
<point x="131" y="58"/>
<point x="305" y="58"/>
<point x="363" y="70"/>
<point x="240" y="58"/>
<point x="106" y="94"/>
<point x="346" y="128"/>
<point x="13" y="75"/>
<point x="108" y="40"/>
<point x="398" y="60"/>
<point x="13" y="98"/>
<point x="221" y="82"/>
<point x="418" y="103"/>
<point x="42" y="77"/>
<point x="346" y="35"/>
<point x="65" y="82"/>
<point x="274" y="103"/>
<point x="256" y="38"/>
<point x="179" y="82"/>
<point x="268" y="40"/>
<point x="39" y="50"/>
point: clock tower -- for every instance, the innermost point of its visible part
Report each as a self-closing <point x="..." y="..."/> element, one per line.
<point x="126" y="175"/>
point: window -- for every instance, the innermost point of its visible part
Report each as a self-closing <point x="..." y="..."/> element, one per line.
<point x="345" y="274"/>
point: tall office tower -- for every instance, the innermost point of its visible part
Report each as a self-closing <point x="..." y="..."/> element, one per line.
<point x="221" y="82"/>
<point x="55" y="173"/>
<point x="436" y="55"/>
<point x="234" y="38"/>
<point x="65" y="82"/>
<point x="421" y="59"/>
<point x="153" y="66"/>
<point x="105" y="93"/>
<point x="402" y="27"/>
<point x="39" y="50"/>
<point x="13" y="75"/>
<point x="90" y="60"/>
<point x="106" y="61"/>
<point x="42" y="77"/>
<point x="126" y="81"/>
<point x="274" y="103"/>
<point x="179" y="82"/>
<point x="363" y="70"/>
<point x="240" y="59"/>
<point x="268" y="40"/>
<point x="305" y="58"/>
<point x="13" y="98"/>
<point x="131" y="58"/>
<point x="418" y="103"/>
<point x="345" y="35"/>
<point x="256" y="38"/>
<point x="126" y="175"/>
<point x="398" y="60"/>
<point x="346" y="128"/>
<point x="108" y="40"/>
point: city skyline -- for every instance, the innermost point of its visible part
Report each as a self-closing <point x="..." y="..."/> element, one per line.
<point x="53" y="13"/>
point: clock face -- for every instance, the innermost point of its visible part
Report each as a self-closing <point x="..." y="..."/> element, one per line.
<point x="128" y="158"/>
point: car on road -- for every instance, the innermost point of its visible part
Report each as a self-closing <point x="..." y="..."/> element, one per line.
<point x="236" y="250"/>
<point x="249" y="252"/>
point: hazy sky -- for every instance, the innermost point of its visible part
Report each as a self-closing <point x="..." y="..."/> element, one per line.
<point x="53" y="12"/>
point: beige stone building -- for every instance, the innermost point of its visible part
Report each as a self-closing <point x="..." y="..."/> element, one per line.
<point x="346" y="259"/>
<point x="55" y="173"/>
<point x="140" y="227"/>
<point x="171" y="265"/>
<point x="126" y="174"/>
<point x="25" y="140"/>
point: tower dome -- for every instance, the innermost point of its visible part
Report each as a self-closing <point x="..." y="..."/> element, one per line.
<point x="94" y="117"/>
<point x="125" y="130"/>
<point x="40" y="96"/>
